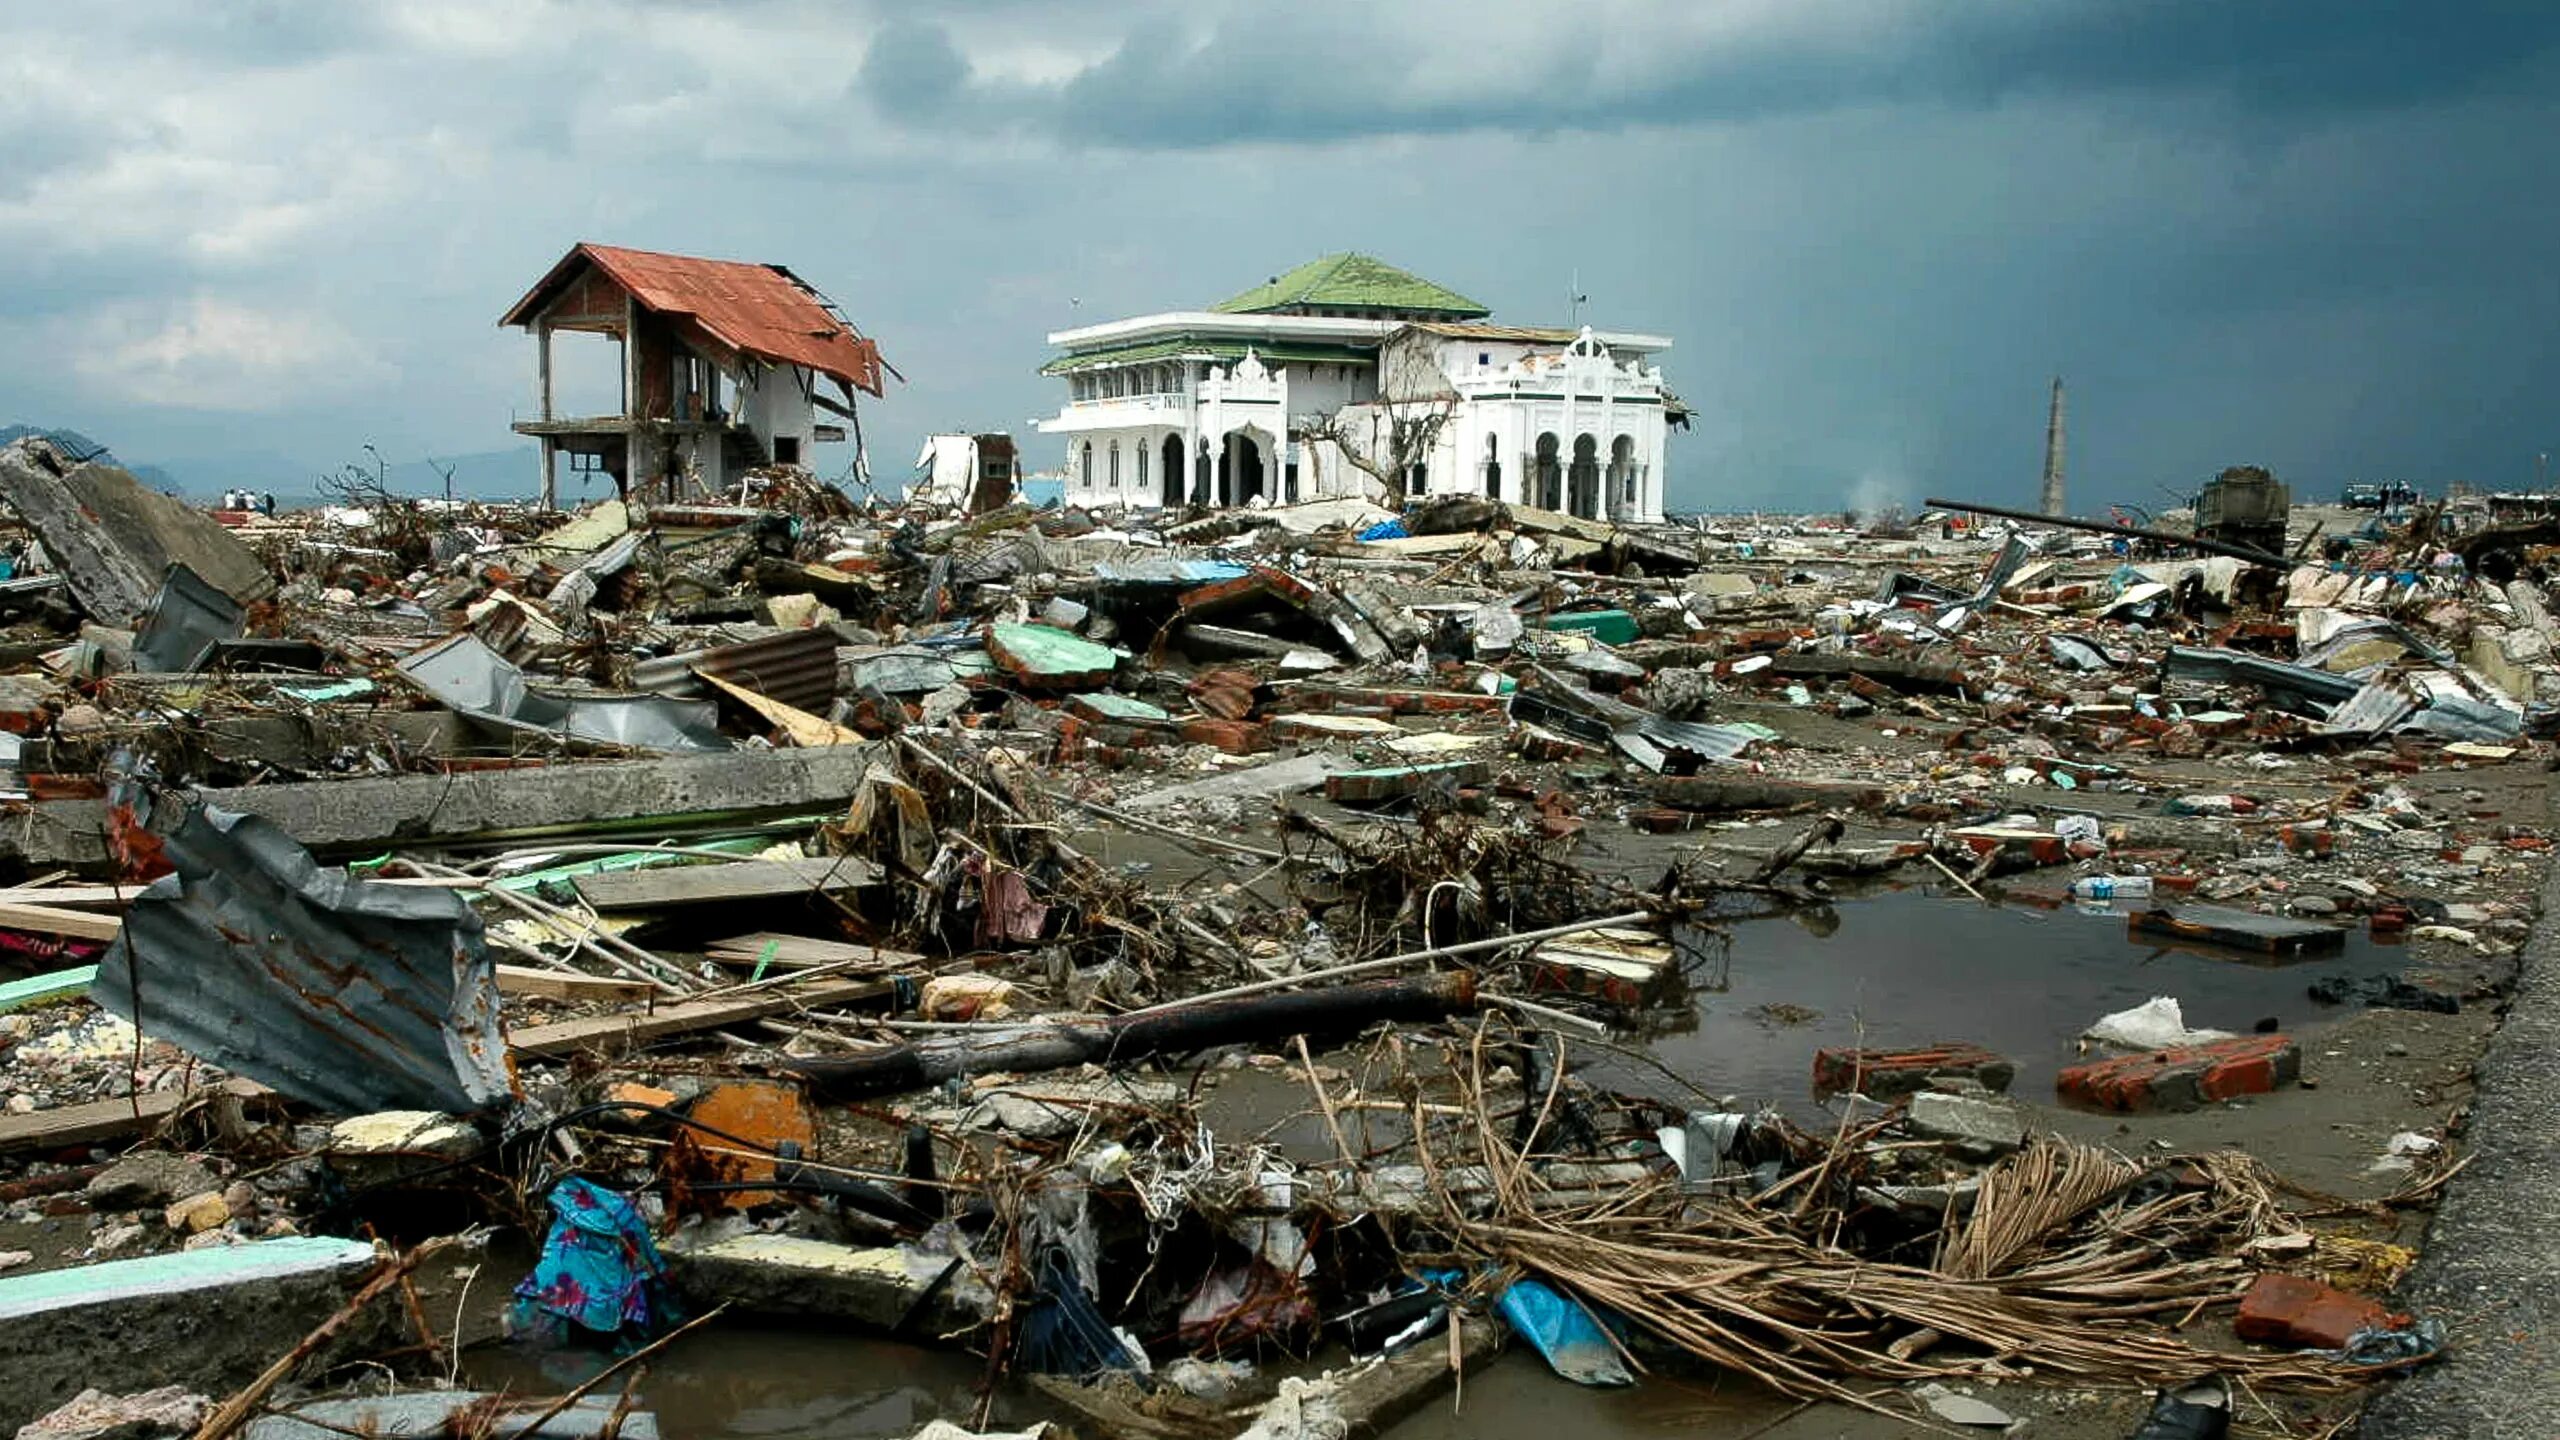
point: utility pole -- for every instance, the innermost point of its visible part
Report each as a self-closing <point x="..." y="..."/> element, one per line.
<point x="2053" y="453"/>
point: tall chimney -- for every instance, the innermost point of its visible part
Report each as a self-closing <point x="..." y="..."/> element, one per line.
<point x="2053" y="453"/>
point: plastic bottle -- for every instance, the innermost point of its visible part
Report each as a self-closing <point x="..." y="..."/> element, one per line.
<point x="2111" y="887"/>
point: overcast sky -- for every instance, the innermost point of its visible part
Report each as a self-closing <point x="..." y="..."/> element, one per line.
<point x="2311" y="235"/>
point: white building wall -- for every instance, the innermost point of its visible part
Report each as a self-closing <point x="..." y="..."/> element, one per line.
<point x="773" y="402"/>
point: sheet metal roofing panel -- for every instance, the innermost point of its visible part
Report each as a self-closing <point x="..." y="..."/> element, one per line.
<point x="346" y="994"/>
<point x="759" y="310"/>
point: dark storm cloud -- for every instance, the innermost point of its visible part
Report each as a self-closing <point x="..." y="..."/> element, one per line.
<point x="1309" y="73"/>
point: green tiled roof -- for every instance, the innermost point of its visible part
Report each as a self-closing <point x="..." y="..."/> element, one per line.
<point x="1222" y="351"/>
<point x="1351" y="281"/>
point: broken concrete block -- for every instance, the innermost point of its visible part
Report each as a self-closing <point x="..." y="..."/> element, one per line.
<point x="197" y="1213"/>
<point x="1394" y="782"/>
<point x="97" y="1415"/>
<point x="1979" y="1127"/>
<point x="114" y="538"/>
<point x="207" y="1318"/>
<point x="139" y="1182"/>
<point x="797" y="612"/>
<point x="389" y="1145"/>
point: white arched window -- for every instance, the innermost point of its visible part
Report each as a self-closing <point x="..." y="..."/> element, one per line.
<point x="1085" y="477"/>
<point x="1115" y="464"/>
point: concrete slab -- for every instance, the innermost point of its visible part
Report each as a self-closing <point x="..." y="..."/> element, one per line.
<point x="210" y="1319"/>
<point x="363" y="815"/>
<point x="1258" y="782"/>
<point x="880" y="1287"/>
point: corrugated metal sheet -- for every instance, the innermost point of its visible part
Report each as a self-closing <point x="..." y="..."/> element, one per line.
<point x="2236" y="667"/>
<point x="468" y="676"/>
<point x="796" y="667"/>
<point x="759" y="310"/>
<point x="187" y="619"/>
<point x="2370" y="711"/>
<point x="342" y="993"/>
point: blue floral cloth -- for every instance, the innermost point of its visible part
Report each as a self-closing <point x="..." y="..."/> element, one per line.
<point x="599" y="1269"/>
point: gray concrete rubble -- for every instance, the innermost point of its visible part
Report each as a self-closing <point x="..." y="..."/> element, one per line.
<point x="1095" y="952"/>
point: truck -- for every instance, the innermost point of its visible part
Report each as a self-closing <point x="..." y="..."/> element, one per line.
<point x="2245" y="505"/>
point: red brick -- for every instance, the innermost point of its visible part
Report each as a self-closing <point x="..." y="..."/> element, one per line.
<point x="1236" y="737"/>
<point x="2289" y="1310"/>
<point x="1223" y="702"/>
<point x="2188" y="1078"/>
<point x="1662" y="820"/>
<point x="1883" y="1074"/>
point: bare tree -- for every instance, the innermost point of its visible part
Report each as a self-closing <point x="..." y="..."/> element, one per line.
<point x="1391" y="439"/>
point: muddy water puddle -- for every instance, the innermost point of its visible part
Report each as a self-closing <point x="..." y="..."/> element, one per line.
<point x="1906" y="968"/>
<point x="749" y="1379"/>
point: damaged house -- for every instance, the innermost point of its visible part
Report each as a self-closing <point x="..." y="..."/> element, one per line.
<point x="1348" y="376"/>
<point x="724" y="366"/>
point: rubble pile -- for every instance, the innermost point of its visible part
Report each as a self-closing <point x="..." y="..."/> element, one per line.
<point x="1191" y="958"/>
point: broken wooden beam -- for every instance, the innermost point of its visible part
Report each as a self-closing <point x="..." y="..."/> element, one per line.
<point x="569" y="985"/>
<point x="1125" y="1039"/>
<point x="620" y="1032"/>
<point x="1763" y="792"/>
<point x="714" y="884"/>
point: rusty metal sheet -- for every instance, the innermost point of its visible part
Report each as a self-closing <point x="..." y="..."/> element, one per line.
<point x="796" y="667"/>
<point x="763" y="311"/>
<point x="347" y="994"/>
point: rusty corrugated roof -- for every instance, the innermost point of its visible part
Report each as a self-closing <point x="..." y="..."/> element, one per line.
<point x="346" y="994"/>
<point x="759" y="310"/>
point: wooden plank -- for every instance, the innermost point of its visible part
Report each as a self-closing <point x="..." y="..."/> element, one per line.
<point x="119" y="897"/>
<point x="641" y="1027"/>
<point x="562" y="985"/>
<point x="46" y="920"/>
<point x="719" y="884"/>
<point x="795" y="952"/>
<point x="804" y="728"/>
<point x="2238" y="929"/>
<point x="98" y="1120"/>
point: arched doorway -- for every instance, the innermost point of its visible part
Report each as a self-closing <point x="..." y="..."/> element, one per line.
<point x="1584" y="480"/>
<point x="1547" y="478"/>
<point x="1492" y="468"/>
<point x="1622" y="474"/>
<point x="1246" y="471"/>
<point x="1173" y="468"/>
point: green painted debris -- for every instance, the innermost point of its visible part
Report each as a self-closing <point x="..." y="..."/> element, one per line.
<point x="629" y="860"/>
<point x="1046" y="656"/>
<point x="354" y="689"/>
<point x="1609" y="627"/>
<point x="179" y="1273"/>
<point x="1393" y="782"/>
<point x="52" y="985"/>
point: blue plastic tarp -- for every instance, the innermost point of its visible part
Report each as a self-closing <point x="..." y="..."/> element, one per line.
<point x="1387" y="530"/>
<point x="1562" y="1331"/>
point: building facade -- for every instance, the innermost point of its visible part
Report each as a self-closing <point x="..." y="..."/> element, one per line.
<point x="1348" y="376"/>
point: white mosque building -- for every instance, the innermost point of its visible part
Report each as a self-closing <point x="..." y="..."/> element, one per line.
<point x="1348" y="376"/>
